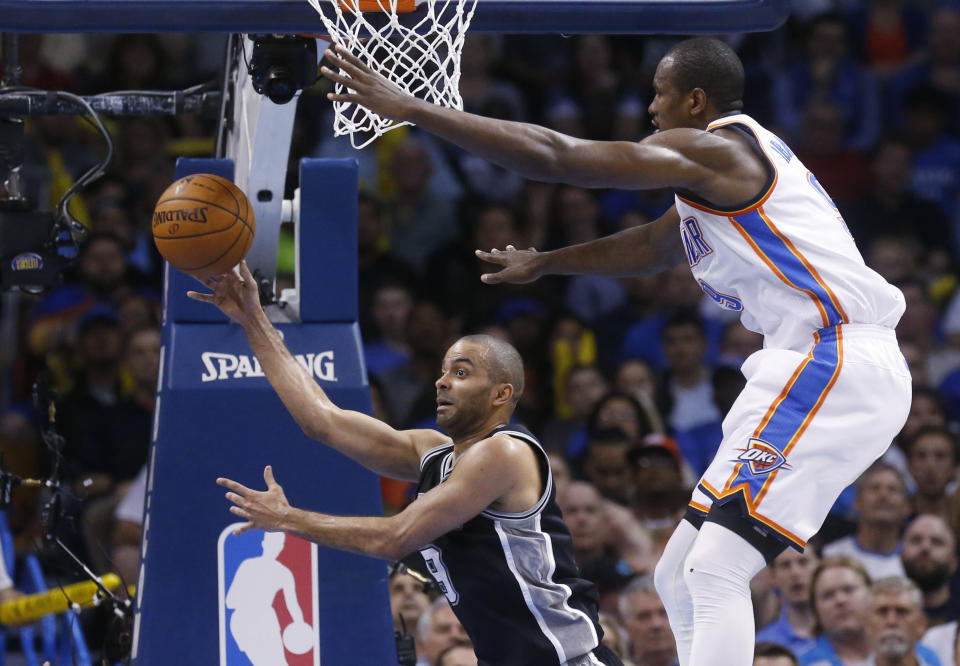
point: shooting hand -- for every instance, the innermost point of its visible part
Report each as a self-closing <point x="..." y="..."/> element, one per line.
<point x="366" y="87"/>
<point x="235" y="293"/>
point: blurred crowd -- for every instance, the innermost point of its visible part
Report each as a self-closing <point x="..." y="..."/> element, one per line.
<point x="628" y="380"/>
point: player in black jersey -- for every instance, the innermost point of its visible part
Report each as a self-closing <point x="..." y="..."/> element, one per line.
<point x="485" y="520"/>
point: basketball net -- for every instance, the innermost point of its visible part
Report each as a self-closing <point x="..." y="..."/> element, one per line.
<point x="422" y="58"/>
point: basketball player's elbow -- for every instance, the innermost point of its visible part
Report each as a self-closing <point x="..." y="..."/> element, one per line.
<point x="318" y="424"/>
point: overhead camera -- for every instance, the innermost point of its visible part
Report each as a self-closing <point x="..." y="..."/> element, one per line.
<point x="282" y="64"/>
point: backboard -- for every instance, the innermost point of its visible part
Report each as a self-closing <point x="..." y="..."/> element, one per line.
<point x="506" y="16"/>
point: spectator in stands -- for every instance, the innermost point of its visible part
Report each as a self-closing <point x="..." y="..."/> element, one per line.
<point x="386" y="346"/>
<point x="99" y="350"/>
<point x="932" y="462"/>
<point x="660" y="494"/>
<point x="585" y="385"/>
<point x="686" y="390"/>
<point x="895" y="624"/>
<point x="841" y="602"/>
<point x="828" y="71"/>
<point x="883" y="505"/>
<point x="635" y="378"/>
<point x="930" y="560"/>
<point x="376" y="265"/>
<point x="457" y="655"/>
<point x="889" y="202"/>
<point x="773" y="654"/>
<point x="437" y="630"/>
<point x="615" y="637"/>
<point x="936" y="154"/>
<point x="408" y="600"/>
<point x="122" y="443"/>
<point x="646" y="624"/>
<point x="101" y="270"/>
<point x="795" y="628"/>
<point x="938" y="67"/>
<point x="605" y="464"/>
<point x="420" y="220"/>
<point x="128" y="529"/>
<point x="608" y="544"/>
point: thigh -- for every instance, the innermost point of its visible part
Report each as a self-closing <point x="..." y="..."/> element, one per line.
<point x="789" y="450"/>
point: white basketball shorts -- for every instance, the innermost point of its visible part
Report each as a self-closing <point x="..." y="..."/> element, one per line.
<point x="806" y="426"/>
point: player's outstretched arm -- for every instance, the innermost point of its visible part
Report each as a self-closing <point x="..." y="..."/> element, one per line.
<point x="485" y="473"/>
<point x="671" y="158"/>
<point x="648" y="248"/>
<point x="370" y="442"/>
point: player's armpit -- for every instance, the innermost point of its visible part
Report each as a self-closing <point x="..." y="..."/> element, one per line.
<point x="486" y="473"/>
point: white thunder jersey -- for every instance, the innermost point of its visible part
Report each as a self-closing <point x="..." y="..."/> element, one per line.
<point x="830" y="388"/>
<point x="786" y="261"/>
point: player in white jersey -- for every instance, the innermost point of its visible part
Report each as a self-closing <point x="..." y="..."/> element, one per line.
<point x="830" y="389"/>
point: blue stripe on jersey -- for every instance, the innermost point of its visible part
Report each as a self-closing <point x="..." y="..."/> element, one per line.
<point x="788" y="262"/>
<point x="801" y="399"/>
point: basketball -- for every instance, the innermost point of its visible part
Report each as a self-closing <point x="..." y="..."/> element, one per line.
<point x="203" y="225"/>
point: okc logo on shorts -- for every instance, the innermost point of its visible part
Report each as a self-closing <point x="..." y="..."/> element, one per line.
<point x="268" y="599"/>
<point x="762" y="457"/>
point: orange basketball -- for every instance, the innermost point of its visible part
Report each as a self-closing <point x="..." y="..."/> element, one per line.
<point x="203" y="225"/>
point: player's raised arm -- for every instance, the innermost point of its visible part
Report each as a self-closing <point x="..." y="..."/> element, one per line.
<point x="671" y="158"/>
<point x="370" y="442"/>
<point x="648" y="248"/>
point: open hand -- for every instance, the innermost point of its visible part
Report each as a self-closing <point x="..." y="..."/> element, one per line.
<point x="519" y="266"/>
<point x="367" y="88"/>
<point x="235" y="293"/>
<point x="264" y="510"/>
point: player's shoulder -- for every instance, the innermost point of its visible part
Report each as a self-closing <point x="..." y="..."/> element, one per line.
<point x="503" y="450"/>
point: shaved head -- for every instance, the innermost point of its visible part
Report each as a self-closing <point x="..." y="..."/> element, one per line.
<point x="501" y="361"/>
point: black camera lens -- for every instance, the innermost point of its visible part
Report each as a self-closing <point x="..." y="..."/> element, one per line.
<point x="280" y="86"/>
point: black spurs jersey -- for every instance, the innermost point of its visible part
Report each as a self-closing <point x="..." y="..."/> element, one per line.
<point x="511" y="578"/>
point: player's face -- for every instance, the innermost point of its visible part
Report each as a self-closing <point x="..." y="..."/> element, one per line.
<point x="842" y="600"/>
<point x="464" y="390"/>
<point x="667" y="108"/>
<point x="792" y="572"/>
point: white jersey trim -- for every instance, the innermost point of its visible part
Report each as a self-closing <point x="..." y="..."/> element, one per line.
<point x="425" y="458"/>
<point x="542" y="502"/>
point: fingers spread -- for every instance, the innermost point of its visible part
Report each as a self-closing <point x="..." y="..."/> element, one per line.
<point x="197" y="296"/>
<point x="234" y="486"/>
<point x="235" y="498"/>
<point x="245" y="270"/>
<point x="268" y="476"/>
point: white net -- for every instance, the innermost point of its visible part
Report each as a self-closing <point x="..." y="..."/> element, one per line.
<point x="421" y="54"/>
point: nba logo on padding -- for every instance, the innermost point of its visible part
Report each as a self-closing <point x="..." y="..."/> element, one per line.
<point x="268" y="599"/>
<point x="762" y="457"/>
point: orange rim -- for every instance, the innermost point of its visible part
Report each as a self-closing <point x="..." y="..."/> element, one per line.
<point x="403" y="6"/>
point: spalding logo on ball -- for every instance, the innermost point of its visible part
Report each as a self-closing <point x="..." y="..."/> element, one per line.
<point x="203" y="225"/>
